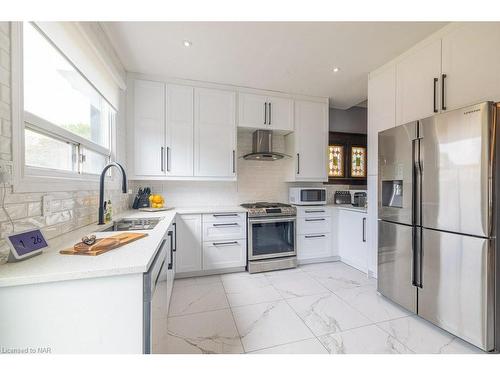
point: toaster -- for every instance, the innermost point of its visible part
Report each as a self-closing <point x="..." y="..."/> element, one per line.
<point x="342" y="197"/>
<point x="359" y="199"/>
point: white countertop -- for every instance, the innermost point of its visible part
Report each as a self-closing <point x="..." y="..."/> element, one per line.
<point x="135" y="257"/>
<point x="349" y="207"/>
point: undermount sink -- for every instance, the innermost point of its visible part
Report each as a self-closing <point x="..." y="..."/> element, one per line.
<point x="133" y="224"/>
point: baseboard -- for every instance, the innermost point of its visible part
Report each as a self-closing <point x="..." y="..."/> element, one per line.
<point x="335" y="258"/>
<point x="182" y="275"/>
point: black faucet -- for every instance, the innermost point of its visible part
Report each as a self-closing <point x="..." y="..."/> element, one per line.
<point x="101" y="188"/>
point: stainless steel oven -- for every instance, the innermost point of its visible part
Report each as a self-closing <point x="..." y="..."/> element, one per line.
<point x="271" y="237"/>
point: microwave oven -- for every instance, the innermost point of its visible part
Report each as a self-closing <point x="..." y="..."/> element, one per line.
<point x="307" y="196"/>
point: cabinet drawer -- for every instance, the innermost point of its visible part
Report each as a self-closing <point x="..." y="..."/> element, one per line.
<point x="313" y="225"/>
<point x="313" y="211"/>
<point x="224" y="254"/>
<point x="314" y="246"/>
<point x="224" y="217"/>
<point x="229" y="230"/>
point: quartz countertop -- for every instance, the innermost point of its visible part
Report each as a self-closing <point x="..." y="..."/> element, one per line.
<point x="134" y="257"/>
<point x="349" y="207"/>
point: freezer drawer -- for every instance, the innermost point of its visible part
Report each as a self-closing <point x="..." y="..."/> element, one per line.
<point x="455" y="154"/>
<point x="395" y="264"/>
<point x="457" y="291"/>
<point x="396" y="173"/>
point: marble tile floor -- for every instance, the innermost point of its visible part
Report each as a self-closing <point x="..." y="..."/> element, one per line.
<point x="314" y="309"/>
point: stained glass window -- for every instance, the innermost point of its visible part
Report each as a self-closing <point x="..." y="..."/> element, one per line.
<point x="336" y="161"/>
<point x="358" y="161"/>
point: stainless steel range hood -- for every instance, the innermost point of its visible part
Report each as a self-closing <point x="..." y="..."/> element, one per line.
<point x="262" y="148"/>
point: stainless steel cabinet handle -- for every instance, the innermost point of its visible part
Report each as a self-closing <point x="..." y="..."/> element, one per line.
<point x="316" y="219"/>
<point x="364" y="229"/>
<point x="270" y="115"/>
<point x="168" y="159"/>
<point x="265" y="113"/>
<point x="223" y="215"/>
<point x="224" y="243"/>
<point x="298" y="163"/>
<point x="316" y="236"/>
<point x="435" y="95"/>
<point x="234" y="162"/>
<point x="225" y="225"/>
<point x="313" y="211"/>
<point x="171" y="264"/>
<point x="443" y="104"/>
<point x="162" y="159"/>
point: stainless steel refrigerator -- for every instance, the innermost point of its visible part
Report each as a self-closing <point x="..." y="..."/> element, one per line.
<point x="437" y="223"/>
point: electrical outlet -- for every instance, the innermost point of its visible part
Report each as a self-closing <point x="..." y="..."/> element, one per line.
<point x="5" y="173"/>
<point x="46" y="205"/>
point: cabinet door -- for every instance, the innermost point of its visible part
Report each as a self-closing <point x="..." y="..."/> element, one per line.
<point x="215" y="133"/>
<point x="416" y="93"/>
<point x="252" y="111"/>
<point x="149" y="128"/>
<point x="188" y="254"/>
<point x="280" y="113"/>
<point x="224" y="254"/>
<point x="381" y="111"/>
<point x="352" y="239"/>
<point x="470" y="62"/>
<point x="314" y="246"/>
<point x="311" y="135"/>
<point x="180" y="131"/>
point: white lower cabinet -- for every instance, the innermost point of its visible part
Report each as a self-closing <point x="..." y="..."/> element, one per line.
<point x="224" y="231"/>
<point x="210" y="242"/>
<point x="352" y="241"/>
<point x="314" y="246"/>
<point x="188" y="255"/>
<point x="224" y="254"/>
<point x="314" y="228"/>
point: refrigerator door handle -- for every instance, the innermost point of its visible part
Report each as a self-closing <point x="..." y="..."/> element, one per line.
<point x="417" y="183"/>
<point x="417" y="257"/>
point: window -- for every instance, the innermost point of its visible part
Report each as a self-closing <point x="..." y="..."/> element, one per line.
<point x="336" y="161"/>
<point x="68" y="123"/>
<point x="347" y="158"/>
<point x="358" y="161"/>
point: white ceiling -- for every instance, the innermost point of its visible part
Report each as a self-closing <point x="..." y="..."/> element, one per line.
<point x="295" y="57"/>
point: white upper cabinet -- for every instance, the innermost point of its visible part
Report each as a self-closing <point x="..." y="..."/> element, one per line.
<point x="280" y="113"/>
<point x="417" y="84"/>
<point x="180" y="131"/>
<point x="214" y="133"/>
<point x="308" y="145"/>
<point x="265" y="112"/>
<point x="149" y="128"/>
<point x="470" y="61"/>
<point x="252" y="111"/>
<point x="381" y="111"/>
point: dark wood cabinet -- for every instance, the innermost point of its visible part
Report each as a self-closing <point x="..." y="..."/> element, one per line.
<point x="347" y="159"/>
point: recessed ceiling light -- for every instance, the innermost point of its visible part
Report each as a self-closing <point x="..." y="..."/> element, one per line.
<point x="335" y="70"/>
<point x="187" y="43"/>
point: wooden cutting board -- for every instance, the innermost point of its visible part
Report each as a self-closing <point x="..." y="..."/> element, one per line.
<point x="103" y="245"/>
